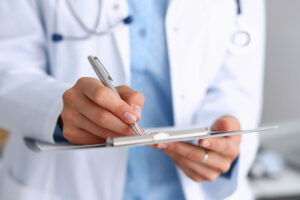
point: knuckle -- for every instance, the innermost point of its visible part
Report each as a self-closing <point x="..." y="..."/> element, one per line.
<point x="66" y="116"/>
<point x="102" y="119"/>
<point x="139" y="96"/>
<point x="122" y="108"/>
<point x="236" y="154"/>
<point x="68" y="134"/>
<point x="101" y="93"/>
<point x="192" y="154"/>
<point x="125" y="87"/>
<point x="68" y="96"/>
<point x="174" y="147"/>
<point x="196" y="178"/>
<point x="81" y="81"/>
<point x="212" y="176"/>
<point x="136" y="97"/>
<point x="225" y="167"/>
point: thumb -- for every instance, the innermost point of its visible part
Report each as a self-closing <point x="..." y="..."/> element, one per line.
<point x="226" y="123"/>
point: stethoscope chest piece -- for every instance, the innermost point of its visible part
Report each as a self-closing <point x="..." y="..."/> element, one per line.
<point x="241" y="38"/>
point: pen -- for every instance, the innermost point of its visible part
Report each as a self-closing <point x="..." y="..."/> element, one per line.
<point x="106" y="79"/>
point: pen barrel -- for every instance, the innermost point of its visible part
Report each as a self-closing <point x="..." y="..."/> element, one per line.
<point x="106" y="79"/>
<point x="136" y="128"/>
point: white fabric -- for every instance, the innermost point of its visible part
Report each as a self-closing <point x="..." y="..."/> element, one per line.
<point x="209" y="80"/>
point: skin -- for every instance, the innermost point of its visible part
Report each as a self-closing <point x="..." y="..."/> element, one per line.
<point x="92" y="112"/>
<point x="221" y="152"/>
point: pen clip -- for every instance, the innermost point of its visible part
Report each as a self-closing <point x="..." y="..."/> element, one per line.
<point x="104" y="69"/>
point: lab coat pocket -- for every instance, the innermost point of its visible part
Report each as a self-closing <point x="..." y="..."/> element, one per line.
<point x="13" y="190"/>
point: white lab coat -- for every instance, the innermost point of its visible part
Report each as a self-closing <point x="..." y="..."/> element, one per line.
<point x="208" y="80"/>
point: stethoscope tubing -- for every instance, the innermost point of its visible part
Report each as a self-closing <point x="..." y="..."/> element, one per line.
<point x="57" y="37"/>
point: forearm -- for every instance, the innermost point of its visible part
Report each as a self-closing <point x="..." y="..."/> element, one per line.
<point x="30" y="103"/>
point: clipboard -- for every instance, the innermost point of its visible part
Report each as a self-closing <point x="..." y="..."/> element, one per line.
<point x="163" y="135"/>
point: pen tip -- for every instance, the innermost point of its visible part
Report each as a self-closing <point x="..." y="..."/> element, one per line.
<point x="137" y="129"/>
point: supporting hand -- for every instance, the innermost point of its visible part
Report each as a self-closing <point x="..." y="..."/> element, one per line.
<point x="221" y="152"/>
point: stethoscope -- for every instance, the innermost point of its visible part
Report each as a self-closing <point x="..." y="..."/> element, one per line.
<point x="58" y="37"/>
<point x="240" y="37"/>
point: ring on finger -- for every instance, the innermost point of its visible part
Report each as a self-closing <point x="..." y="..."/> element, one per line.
<point x="205" y="156"/>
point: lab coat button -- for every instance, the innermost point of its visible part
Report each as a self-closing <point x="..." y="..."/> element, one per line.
<point x="182" y="96"/>
<point x="116" y="6"/>
<point x="175" y="29"/>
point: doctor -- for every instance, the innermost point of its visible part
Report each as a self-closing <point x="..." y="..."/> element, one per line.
<point x="193" y="63"/>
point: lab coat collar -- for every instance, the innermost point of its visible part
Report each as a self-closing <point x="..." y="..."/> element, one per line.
<point x="116" y="10"/>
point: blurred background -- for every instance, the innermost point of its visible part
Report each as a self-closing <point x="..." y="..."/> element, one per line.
<point x="276" y="172"/>
<point x="282" y="72"/>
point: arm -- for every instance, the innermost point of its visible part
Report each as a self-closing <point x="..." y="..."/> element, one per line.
<point x="30" y="100"/>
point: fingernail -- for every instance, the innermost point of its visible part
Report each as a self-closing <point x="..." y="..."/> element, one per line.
<point x="137" y="109"/>
<point x="162" y="146"/>
<point x="129" y="117"/>
<point x="205" y="143"/>
<point x="151" y="145"/>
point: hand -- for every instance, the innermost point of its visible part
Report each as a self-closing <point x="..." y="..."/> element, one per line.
<point x="221" y="152"/>
<point x="92" y="112"/>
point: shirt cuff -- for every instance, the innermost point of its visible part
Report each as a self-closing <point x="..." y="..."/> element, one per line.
<point x="58" y="134"/>
<point x="229" y="173"/>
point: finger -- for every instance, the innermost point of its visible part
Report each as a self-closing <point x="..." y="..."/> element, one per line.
<point x="226" y="123"/>
<point x="203" y="171"/>
<point x="106" y="98"/>
<point x="135" y="99"/>
<point x="225" y="146"/>
<point x="103" y="118"/>
<point x="78" y="120"/>
<point x="190" y="173"/>
<point x="80" y="137"/>
<point x="196" y="154"/>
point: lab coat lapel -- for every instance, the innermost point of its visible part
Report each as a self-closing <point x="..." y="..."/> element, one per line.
<point x="117" y="10"/>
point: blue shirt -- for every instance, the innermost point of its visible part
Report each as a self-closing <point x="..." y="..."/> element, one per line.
<point x="151" y="174"/>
